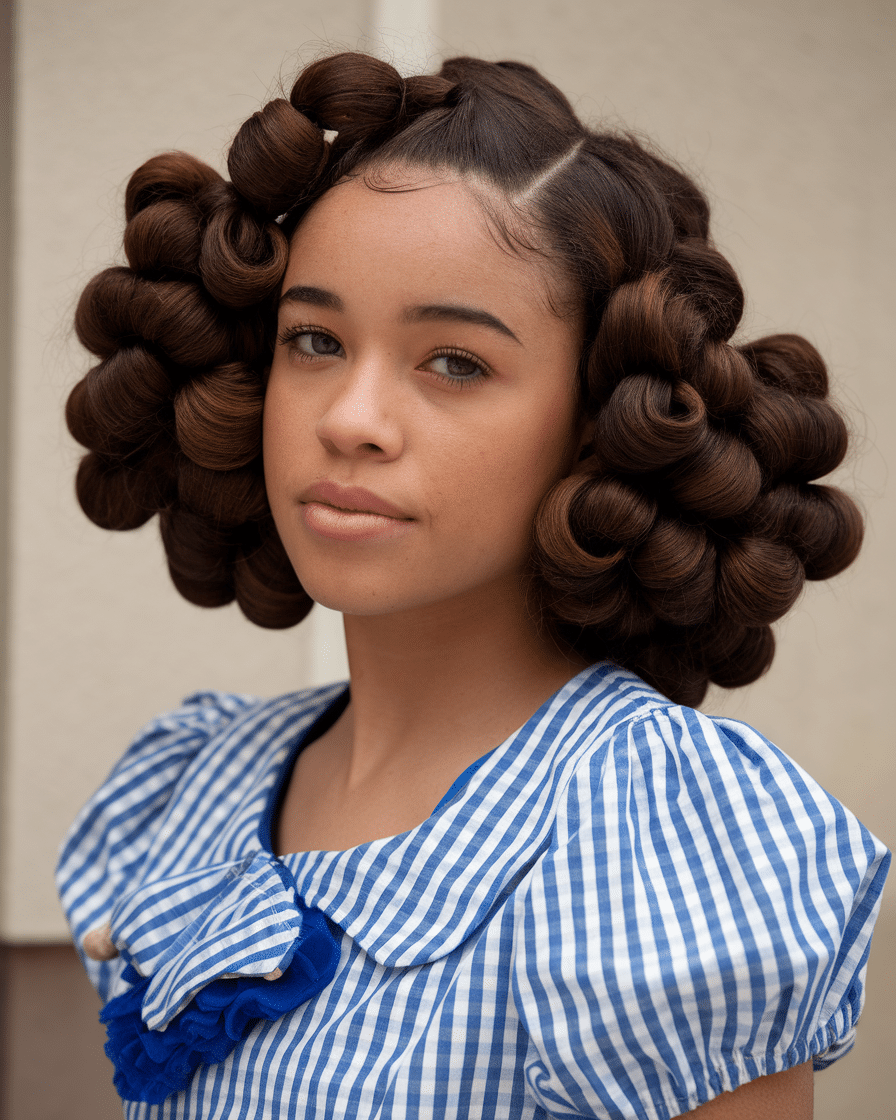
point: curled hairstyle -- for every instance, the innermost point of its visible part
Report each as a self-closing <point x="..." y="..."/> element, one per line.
<point x="690" y="523"/>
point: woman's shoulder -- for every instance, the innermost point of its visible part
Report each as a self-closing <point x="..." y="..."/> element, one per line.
<point x="174" y="761"/>
<point x="679" y="790"/>
<point x="637" y="743"/>
<point x="609" y="745"/>
<point x="208" y="728"/>
<point x="207" y="713"/>
<point x="206" y="723"/>
<point x="704" y="901"/>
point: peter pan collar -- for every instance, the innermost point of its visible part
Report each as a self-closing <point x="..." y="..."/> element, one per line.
<point x="405" y="900"/>
<point x="413" y="898"/>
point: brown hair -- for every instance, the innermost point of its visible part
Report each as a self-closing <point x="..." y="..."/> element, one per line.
<point x="690" y="523"/>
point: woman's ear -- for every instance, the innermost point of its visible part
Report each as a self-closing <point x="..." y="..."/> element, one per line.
<point x="584" y="447"/>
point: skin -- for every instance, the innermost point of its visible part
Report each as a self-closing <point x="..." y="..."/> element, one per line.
<point x="445" y="658"/>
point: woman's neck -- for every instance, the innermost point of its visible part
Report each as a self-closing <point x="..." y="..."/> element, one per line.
<point x="456" y="678"/>
<point x="431" y="692"/>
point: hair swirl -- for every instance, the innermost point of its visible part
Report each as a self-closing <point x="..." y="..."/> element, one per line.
<point x="692" y="520"/>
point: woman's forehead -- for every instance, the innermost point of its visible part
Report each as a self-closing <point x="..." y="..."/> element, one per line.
<point x="440" y="226"/>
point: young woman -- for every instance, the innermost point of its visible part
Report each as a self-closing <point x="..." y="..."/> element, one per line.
<point x="444" y="359"/>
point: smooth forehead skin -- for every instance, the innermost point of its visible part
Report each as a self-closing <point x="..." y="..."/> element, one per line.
<point x="406" y="205"/>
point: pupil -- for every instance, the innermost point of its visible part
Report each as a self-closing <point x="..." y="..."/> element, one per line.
<point x="459" y="367"/>
<point x="323" y="344"/>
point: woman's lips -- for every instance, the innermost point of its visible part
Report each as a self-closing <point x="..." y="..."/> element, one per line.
<point x="350" y="513"/>
<point x="354" y="499"/>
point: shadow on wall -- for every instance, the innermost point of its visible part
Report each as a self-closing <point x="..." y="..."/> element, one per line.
<point x="54" y="1067"/>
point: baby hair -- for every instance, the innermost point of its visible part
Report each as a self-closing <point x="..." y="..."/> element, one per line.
<point x="691" y="520"/>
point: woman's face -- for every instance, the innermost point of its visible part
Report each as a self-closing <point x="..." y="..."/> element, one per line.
<point x="422" y="400"/>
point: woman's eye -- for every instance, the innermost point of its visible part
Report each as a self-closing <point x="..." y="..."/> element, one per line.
<point x="310" y="343"/>
<point x="457" y="367"/>
<point x="317" y="344"/>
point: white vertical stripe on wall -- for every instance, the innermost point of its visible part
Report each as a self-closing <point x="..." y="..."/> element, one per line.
<point x="404" y="32"/>
<point x="327" y="656"/>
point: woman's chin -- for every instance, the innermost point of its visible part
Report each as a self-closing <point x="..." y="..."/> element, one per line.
<point x="389" y="598"/>
<point x="352" y="600"/>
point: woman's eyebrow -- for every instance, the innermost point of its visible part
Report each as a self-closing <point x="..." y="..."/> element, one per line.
<point x="446" y="312"/>
<point x="430" y="312"/>
<point x="317" y="297"/>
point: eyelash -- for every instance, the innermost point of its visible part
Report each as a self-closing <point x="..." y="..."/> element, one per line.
<point x="460" y="382"/>
<point x="290" y="334"/>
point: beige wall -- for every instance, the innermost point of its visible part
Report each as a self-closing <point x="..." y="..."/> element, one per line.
<point x="6" y="278"/>
<point x="784" y="110"/>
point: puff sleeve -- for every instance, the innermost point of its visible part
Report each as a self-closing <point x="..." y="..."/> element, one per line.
<point x="107" y="844"/>
<point x="701" y="918"/>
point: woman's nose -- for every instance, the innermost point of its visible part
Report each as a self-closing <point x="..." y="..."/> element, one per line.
<point x="361" y="419"/>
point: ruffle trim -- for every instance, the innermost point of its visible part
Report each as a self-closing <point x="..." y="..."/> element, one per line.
<point x="150" y="1065"/>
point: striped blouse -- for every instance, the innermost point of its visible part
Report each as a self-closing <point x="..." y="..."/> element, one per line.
<point x="624" y="910"/>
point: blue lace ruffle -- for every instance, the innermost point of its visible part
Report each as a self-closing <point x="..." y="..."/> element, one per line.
<point x="150" y="1065"/>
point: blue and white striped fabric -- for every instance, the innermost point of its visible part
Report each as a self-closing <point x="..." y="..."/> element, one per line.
<point x="627" y="909"/>
<point x="233" y="919"/>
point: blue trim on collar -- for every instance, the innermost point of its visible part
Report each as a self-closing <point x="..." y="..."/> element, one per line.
<point x="319" y="727"/>
<point x="461" y="780"/>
